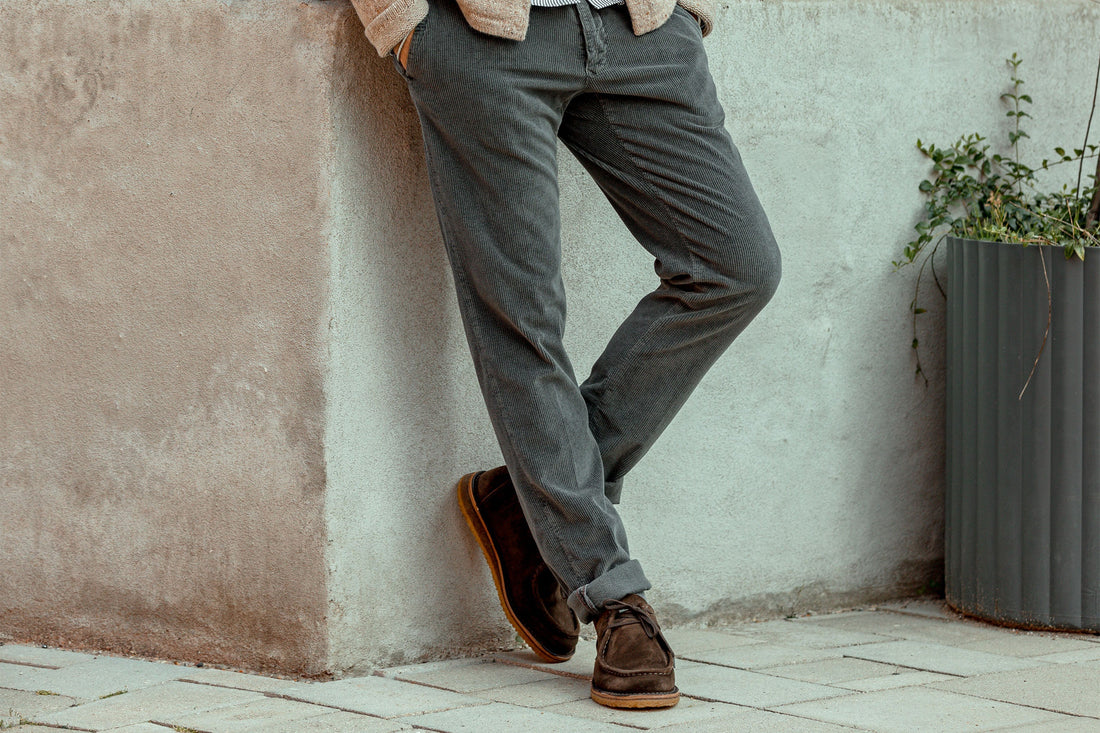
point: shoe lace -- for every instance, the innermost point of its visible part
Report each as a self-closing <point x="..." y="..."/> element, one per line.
<point x="649" y="624"/>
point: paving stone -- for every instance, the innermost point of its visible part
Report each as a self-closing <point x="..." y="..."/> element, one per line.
<point x="857" y="674"/>
<point x="925" y="607"/>
<point x="757" y="656"/>
<point x="687" y="711"/>
<point x="580" y="665"/>
<point x="553" y="691"/>
<point x="793" y="632"/>
<point x="686" y="641"/>
<point x="92" y="679"/>
<point x="45" y="729"/>
<point x="938" y="658"/>
<point x="797" y="669"/>
<point x="42" y="657"/>
<point x="1081" y="655"/>
<point x="1067" y="688"/>
<point x="472" y="677"/>
<point x="255" y="715"/>
<point x="15" y="704"/>
<point x="21" y="677"/>
<point x="151" y="703"/>
<point x="832" y="671"/>
<point x="381" y="697"/>
<point x="239" y="680"/>
<point x="336" y="722"/>
<point x="500" y="718"/>
<point x="757" y="721"/>
<point x="902" y="626"/>
<point x="424" y="667"/>
<point x="908" y="678"/>
<point x="918" y="709"/>
<point x="1013" y="643"/>
<point x="1061" y="724"/>
<point x="742" y="687"/>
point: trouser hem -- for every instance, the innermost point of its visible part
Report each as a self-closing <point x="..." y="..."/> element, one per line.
<point x="622" y="580"/>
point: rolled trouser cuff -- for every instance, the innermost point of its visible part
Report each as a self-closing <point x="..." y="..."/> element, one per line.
<point x="619" y="582"/>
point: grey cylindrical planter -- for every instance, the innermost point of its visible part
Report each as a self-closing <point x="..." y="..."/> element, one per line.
<point x="1023" y="474"/>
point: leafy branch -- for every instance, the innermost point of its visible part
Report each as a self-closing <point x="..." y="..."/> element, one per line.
<point x="975" y="192"/>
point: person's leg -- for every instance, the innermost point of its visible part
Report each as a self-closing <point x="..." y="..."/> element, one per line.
<point x="649" y="129"/>
<point x="489" y="109"/>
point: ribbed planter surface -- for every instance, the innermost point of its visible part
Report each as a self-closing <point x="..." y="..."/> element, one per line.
<point x="1023" y="474"/>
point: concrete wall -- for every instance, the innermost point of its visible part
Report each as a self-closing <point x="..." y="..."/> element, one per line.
<point x="163" y="274"/>
<point x="235" y="391"/>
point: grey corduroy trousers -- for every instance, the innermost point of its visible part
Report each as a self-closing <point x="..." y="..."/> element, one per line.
<point x="641" y="114"/>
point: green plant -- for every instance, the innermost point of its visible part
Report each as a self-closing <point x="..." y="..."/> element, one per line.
<point x="976" y="192"/>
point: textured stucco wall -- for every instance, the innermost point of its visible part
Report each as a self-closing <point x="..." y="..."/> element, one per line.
<point x="163" y="268"/>
<point x="234" y="390"/>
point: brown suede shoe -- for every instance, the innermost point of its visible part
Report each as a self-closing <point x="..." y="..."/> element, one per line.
<point x="529" y="593"/>
<point x="634" y="663"/>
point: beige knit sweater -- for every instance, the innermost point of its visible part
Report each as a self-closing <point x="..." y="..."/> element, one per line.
<point x="389" y="21"/>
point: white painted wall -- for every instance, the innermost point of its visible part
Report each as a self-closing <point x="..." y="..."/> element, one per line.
<point x="806" y="471"/>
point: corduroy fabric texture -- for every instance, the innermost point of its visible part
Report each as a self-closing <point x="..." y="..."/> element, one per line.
<point x="642" y="115"/>
<point x="387" y="22"/>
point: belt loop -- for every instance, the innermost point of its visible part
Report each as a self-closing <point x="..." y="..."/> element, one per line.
<point x="595" y="41"/>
